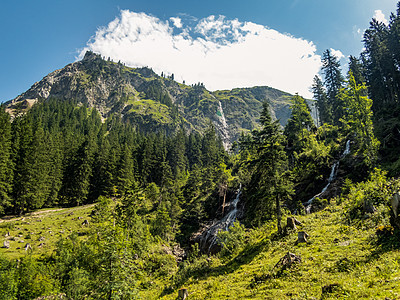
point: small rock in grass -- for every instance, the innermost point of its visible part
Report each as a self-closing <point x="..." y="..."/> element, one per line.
<point x="6" y="244"/>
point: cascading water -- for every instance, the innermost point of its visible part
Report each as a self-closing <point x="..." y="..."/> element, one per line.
<point x="209" y="238"/>
<point x="222" y="126"/>
<point x="331" y="178"/>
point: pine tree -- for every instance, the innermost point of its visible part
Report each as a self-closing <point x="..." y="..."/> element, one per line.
<point x="270" y="183"/>
<point x="323" y="107"/>
<point x="6" y="166"/>
<point x="333" y="80"/>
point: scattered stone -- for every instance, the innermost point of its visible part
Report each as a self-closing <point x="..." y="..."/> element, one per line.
<point x="183" y="294"/>
<point x="287" y="260"/>
<point x="21" y="241"/>
<point x="71" y="213"/>
<point x="344" y="243"/>
<point x="20" y="235"/>
<point x="61" y="231"/>
<point x="41" y="239"/>
<point x="85" y="223"/>
<point x="79" y="218"/>
<point x="302" y="237"/>
<point x="7" y="234"/>
<point x="22" y="219"/>
<point x="28" y="247"/>
<point x="6" y="244"/>
<point x="41" y="245"/>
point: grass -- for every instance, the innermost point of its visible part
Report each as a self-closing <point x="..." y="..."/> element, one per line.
<point x="41" y="229"/>
<point x="338" y="262"/>
<point x="157" y="111"/>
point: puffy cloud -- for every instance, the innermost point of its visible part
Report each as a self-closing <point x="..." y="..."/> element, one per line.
<point x="380" y="16"/>
<point x="176" y="21"/>
<point x="221" y="53"/>
<point x="339" y="55"/>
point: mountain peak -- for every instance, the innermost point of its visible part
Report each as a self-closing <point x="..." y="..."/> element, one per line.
<point x="89" y="55"/>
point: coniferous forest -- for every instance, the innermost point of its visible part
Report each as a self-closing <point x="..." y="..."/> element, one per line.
<point x="315" y="215"/>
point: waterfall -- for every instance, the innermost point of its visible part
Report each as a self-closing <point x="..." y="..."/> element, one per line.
<point x="222" y="126"/>
<point x="331" y="178"/>
<point x="209" y="238"/>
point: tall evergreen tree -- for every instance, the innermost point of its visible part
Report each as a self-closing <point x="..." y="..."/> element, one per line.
<point x="6" y="165"/>
<point x="270" y="184"/>
<point x="323" y="106"/>
<point x="333" y="81"/>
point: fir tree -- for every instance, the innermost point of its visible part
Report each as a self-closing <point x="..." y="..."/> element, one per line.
<point x="6" y="165"/>
<point x="333" y="80"/>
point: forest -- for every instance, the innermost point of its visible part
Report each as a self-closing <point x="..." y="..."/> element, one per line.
<point x="149" y="191"/>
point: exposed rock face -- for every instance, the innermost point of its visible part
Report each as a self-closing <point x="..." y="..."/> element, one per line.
<point x="394" y="212"/>
<point x="136" y="94"/>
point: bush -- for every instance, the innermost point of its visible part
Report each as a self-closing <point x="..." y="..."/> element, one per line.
<point x="233" y="239"/>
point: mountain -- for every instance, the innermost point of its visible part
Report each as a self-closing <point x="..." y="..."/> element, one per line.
<point x="152" y="102"/>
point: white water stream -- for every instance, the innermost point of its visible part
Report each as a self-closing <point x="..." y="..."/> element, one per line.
<point x="222" y="126"/>
<point x="227" y="221"/>
<point x="331" y="178"/>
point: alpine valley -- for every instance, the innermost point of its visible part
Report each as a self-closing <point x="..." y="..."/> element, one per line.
<point x="118" y="183"/>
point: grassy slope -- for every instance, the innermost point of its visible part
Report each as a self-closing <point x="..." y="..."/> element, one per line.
<point x="336" y="254"/>
<point x="44" y="227"/>
<point x="345" y="256"/>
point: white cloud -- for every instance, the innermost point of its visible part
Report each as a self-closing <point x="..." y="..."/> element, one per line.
<point x="176" y="21"/>
<point x="380" y="16"/>
<point x="339" y="55"/>
<point x="221" y="53"/>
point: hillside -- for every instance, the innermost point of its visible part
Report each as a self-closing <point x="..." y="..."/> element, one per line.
<point x="343" y="258"/>
<point x="151" y="102"/>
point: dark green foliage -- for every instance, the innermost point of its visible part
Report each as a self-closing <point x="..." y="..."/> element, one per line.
<point x="333" y="80"/>
<point x="270" y="183"/>
<point x="308" y="157"/>
<point x="324" y="109"/>
<point x="6" y="164"/>
<point x="381" y="69"/>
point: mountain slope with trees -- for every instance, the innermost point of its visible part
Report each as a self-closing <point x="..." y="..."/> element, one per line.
<point x="151" y="102"/>
<point x="316" y="204"/>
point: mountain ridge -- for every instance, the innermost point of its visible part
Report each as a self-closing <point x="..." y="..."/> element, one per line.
<point x="152" y="102"/>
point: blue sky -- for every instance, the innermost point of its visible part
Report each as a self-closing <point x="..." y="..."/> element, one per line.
<point x="38" y="37"/>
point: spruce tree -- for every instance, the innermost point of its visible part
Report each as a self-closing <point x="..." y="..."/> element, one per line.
<point x="323" y="107"/>
<point x="270" y="184"/>
<point x="6" y="166"/>
<point x="333" y="81"/>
